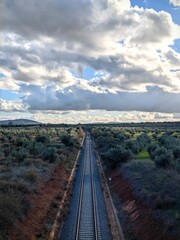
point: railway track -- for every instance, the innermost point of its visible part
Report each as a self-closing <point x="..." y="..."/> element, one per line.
<point x="87" y="226"/>
<point x="88" y="216"/>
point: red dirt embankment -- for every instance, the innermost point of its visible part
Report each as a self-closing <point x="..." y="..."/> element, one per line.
<point x="140" y="216"/>
<point x="33" y="224"/>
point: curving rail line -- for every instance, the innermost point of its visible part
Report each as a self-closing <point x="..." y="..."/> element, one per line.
<point x="87" y="227"/>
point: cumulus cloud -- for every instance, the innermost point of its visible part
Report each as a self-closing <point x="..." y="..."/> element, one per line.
<point x="131" y="47"/>
<point x="176" y="3"/>
<point x="152" y="27"/>
<point x="87" y="24"/>
<point x="154" y="99"/>
<point x="49" y="17"/>
<point x="12" y="106"/>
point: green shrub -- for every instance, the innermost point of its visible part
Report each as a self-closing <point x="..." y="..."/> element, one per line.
<point x="67" y="140"/>
<point x="133" y="146"/>
<point x="164" y="158"/>
<point x="6" y="185"/>
<point x="42" y="138"/>
<point x="31" y="175"/>
<point x="36" y="148"/>
<point x="21" y="141"/>
<point x="176" y="152"/>
<point x="118" y="155"/>
<point x="22" y="154"/>
<point x="151" y="150"/>
<point x="50" y="154"/>
<point x="13" y="207"/>
<point x="160" y="187"/>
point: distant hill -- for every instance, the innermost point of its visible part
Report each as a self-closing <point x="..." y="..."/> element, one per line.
<point x="24" y="122"/>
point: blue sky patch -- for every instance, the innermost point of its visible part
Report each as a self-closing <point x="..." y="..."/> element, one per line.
<point x="2" y="75"/>
<point x="87" y="73"/>
<point x="176" y="45"/>
<point x="9" y="95"/>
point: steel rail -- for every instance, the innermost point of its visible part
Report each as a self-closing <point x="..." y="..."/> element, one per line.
<point x="93" y="195"/>
<point x="81" y="197"/>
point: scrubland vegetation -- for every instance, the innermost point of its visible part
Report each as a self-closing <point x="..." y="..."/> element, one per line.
<point x="150" y="159"/>
<point x="28" y="158"/>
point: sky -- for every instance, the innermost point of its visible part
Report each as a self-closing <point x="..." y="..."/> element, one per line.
<point x="84" y="61"/>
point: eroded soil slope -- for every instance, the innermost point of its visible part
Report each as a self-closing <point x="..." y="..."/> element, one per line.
<point x="41" y="202"/>
<point x="139" y="216"/>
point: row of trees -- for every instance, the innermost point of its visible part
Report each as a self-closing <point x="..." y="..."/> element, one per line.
<point x="18" y="148"/>
<point x="118" y="145"/>
<point x="166" y="153"/>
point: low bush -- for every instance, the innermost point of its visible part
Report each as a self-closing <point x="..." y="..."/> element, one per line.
<point x="160" y="188"/>
<point x="42" y="138"/>
<point x="176" y="152"/>
<point x="67" y="140"/>
<point x="31" y="175"/>
<point x="21" y="154"/>
<point x="29" y="156"/>
<point x="163" y="158"/>
<point x="13" y="207"/>
<point x="118" y="155"/>
<point x="50" y="154"/>
<point x="6" y="185"/>
<point x="35" y="148"/>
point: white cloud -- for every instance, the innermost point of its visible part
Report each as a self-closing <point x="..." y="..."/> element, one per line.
<point x="131" y="47"/>
<point x="76" y="98"/>
<point x="92" y="116"/>
<point x="152" y="29"/>
<point x="12" y="106"/>
<point x="176" y="3"/>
